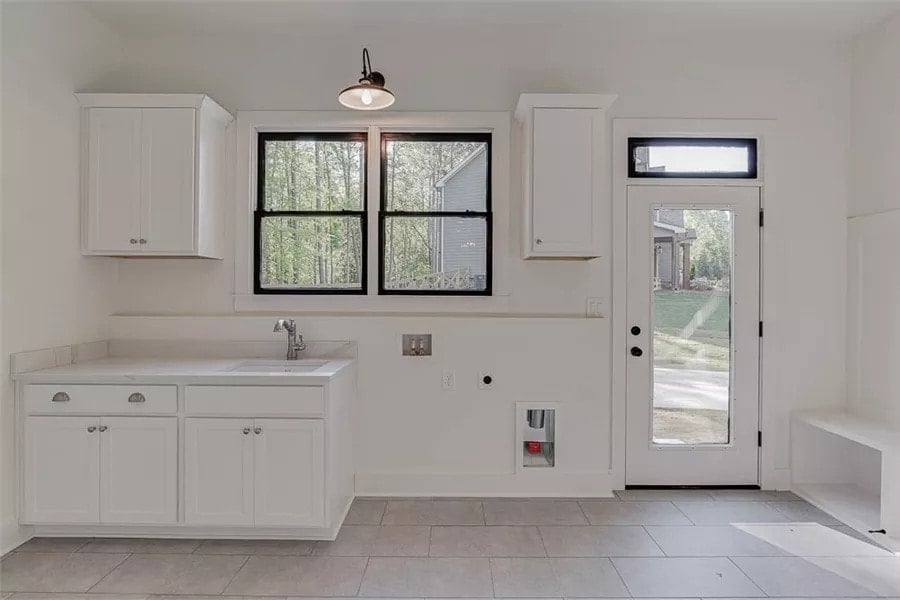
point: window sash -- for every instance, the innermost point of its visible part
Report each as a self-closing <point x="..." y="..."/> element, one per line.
<point x="384" y="214"/>
<point x="261" y="212"/>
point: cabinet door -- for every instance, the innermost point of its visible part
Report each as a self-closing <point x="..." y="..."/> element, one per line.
<point x="562" y="203"/>
<point x="114" y="179"/>
<point x="289" y="472"/>
<point x="218" y="471"/>
<point x="167" y="201"/>
<point x="62" y="470"/>
<point x="138" y="470"/>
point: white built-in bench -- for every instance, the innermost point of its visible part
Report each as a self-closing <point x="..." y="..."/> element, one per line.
<point x="849" y="467"/>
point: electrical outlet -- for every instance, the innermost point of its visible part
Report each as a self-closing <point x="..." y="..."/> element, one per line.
<point x="595" y="308"/>
<point x="486" y="381"/>
<point x="448" y="381"/>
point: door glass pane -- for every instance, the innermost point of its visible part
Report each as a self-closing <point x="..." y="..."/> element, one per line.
<point x="692" y="268"/>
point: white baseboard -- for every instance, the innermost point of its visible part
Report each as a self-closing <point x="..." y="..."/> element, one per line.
<point x="538" y="484"/>
<point x="13" y="535"/>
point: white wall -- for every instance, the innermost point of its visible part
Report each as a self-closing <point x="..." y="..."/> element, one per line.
<point x="874" y="226"/>
<point x="51" y="295"/>
<point x="416" y="431"/>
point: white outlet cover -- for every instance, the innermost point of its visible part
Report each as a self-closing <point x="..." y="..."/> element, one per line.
<point x="595" y="308"/>
<point x="448" y="381"/>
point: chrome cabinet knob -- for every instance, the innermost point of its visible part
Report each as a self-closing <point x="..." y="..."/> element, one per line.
<point x="103" y="428"/>
<point x="137" y="397"/>
<point x="246" y="430"/>
<point x="133" y="240"/>
<point x="538" y="241"/>
<point x="142" y="241"/>
<point x="257" y="430"/>
<point x="60" y="397"/>
<point x="92" y="428"/>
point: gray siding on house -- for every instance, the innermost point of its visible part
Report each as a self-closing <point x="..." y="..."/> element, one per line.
<point x="463" y="240"/>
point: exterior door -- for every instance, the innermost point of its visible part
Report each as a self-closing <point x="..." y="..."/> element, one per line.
<point x="693" y="338"/>
<point x="218" y="471"/>
<point x="138" y="470"/>
<point x="114" y="179"/>
<point x="289" y="472"/>
<point x="62" y="470"/>
<point x="167" y="202"/>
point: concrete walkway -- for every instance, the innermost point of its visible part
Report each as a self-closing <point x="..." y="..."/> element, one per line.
<point x="690" y="389"/>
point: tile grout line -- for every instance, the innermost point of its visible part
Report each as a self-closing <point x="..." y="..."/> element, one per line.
<point x="678" y="508"/>
<point x="363" y="578"/>
<point x="750" y="579"/>
<point x="230" y="581"/>
<point x="119" y="564"/>
<point x="655" y="541"/>
<point x="587" y="519"/>
<point x="543" y="543"/>
<point x="619" y="575"/>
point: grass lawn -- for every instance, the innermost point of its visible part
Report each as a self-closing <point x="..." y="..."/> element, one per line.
<point x="680" y="341"/>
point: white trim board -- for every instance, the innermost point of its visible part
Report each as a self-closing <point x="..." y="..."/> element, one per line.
<point x="772" y="474"/>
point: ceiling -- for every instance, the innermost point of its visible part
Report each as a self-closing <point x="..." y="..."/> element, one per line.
<point x="824" y="19"/>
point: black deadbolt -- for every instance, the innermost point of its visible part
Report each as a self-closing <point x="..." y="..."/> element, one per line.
<point x="635" y="351"/>
<point x="635" y="330"/>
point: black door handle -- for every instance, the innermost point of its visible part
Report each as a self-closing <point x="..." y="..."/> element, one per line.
<point x="635" y="330"/>
<point x="635" y="351"/>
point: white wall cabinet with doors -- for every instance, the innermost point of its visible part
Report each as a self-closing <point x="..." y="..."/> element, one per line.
<point x="565" y="173"/>
<point x="153" y="175"/>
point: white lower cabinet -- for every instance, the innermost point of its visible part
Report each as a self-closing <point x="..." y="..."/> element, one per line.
<point x="138" y="470"/>
<point x="262" y="472"/>
<point x="218" y="471"/>
<point x="101" y="470"/>
<point x="62" y="470"/>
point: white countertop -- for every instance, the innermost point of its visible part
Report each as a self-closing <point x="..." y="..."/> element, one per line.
<point x="183" y="370"/>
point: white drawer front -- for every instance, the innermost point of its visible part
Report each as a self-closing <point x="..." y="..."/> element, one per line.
<point x="259" y="401"/>
<point x="106" y="399"/>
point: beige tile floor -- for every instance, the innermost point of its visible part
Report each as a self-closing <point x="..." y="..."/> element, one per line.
<point x="641" y="544"/>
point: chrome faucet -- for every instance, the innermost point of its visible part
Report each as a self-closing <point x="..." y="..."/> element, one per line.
<point x="295" y="340"/>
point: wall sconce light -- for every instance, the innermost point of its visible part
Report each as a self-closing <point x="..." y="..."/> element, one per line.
<point x="369" y="93"/>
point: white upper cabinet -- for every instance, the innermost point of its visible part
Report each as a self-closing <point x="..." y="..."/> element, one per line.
<point x="154" y="175"/>
<point x="565" y="173"/>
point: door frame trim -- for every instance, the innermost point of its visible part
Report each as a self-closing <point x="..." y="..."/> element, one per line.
<point x="770" y="475"/>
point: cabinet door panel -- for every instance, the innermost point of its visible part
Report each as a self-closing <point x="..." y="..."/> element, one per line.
<point x="139" y="470"/>
<point x="167" y="203"/>
<point x="114" y="179"/>
<point x="562" y="180"/>
<point x="218" y="471"/>
<point x="62" y="470"/>
<point x="289" y="472"/>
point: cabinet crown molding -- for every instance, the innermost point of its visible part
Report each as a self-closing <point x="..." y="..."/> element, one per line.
<point x="527" y="102"/>
<point x="115" y="100"/>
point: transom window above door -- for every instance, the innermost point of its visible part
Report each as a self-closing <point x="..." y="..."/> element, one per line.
<point x="693" y="157"/>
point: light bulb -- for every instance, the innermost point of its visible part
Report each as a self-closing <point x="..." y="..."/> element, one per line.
<point x="366" y="97"/>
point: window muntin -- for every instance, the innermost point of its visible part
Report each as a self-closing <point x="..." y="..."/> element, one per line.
<point x="435" y="220"/>
<point x="310" y="219"/>
<point x="696" y="158"/>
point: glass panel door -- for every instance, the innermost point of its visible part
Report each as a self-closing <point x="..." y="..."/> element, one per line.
<point x="691" y="286"/>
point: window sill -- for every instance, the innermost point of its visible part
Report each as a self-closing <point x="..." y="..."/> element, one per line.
<point x="377" y="305"/>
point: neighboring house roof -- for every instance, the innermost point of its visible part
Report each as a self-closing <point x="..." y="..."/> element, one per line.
<point x="462" y="165"/>
<point x="669" y="227"/>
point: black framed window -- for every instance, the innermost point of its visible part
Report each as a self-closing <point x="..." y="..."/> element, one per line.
<point x="696" y="158"/>
<point x="435" y="221"/>
<point x="310" y="218"/>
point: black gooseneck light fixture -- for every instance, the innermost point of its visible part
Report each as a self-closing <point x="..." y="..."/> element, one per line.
<point x="369" y="93"/>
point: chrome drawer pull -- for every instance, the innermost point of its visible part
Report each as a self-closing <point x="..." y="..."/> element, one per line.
<point x="103" y="428"/>
<point x="257" y="430"/>
<point x="92" y="428"/>
<point x="137" y="397"/>
<point x="246" y="430"/>
<point x="60" y="397"/>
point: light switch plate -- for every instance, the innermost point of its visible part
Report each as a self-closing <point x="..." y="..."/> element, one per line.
<point x="595" y="308"/>
<point x="448" y="381"/>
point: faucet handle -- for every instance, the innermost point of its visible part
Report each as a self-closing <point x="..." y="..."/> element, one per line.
<point x="284" y="324"/>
